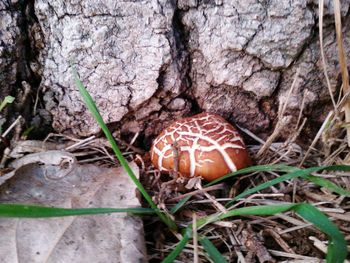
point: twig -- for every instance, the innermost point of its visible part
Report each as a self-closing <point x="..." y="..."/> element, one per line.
<point x="281" y="123"/>
<point x="292" y="255"/>
<point x="236" y="245"/>
<point x="36" y="101"/>
<point x="12" y="126"/>
<point x="283" y="244"/>
<point x="79" y="143"/>
<point x="219" y="206"/>
<point x="319" y="244"/>
<point x="132" y="141"/>
<point x="294" y="228"/>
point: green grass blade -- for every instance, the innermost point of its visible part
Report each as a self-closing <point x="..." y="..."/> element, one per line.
<point x="179" y="247"/>
<point x="96" y="114"/>
<point x="213" y="253"/>
<point x="328" y="184"/>
<point x="337" y="249"/>
<point x="263" y="210"/>
<point x="257" y="168"/>
<point x="180" y="204"/>
<point x="288" y="176"/>
<point x="216" y="217"/>
<point x="34" y="211"/>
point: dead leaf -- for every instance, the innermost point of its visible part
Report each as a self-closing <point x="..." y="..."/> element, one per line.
<point x="96" y="238"/>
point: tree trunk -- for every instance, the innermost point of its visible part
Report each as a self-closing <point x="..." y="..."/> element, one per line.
<point x="148" y="63"/>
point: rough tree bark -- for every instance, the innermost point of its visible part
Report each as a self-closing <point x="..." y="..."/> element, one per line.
<point x="9" y="32"/>
<point x="149" y="62"/>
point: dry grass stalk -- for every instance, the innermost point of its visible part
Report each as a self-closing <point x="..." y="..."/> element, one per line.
<point x="294" y="228"/>
<point x="80" y="143"/>
<point x="317" y="137"/>
<point x="342" y="62"/>
<point x="195" y="192"/>
<point x="323" y="56"/>
<point x="216" y="204"/>
<point x="236" y="246"/>
<point x="282" y="120"/>
<point x="319" y="244"/>
<point x="8" y="130"/>
<point x="283" y="244"/>
<point x="295" y="256"/>
<point x="195" y="239"/>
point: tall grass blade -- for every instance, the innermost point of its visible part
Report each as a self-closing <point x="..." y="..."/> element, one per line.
<point x="179" y="247"/>
<point x="328" y="184"/>
<point x="298" y="173"/>
<point x="34" y="211"/>
<point x="180" y="204"/>
<point x="337" y="250"/>
<point x="257" y="168"/>
<point x="212" y="251"/>
<point x="96" y="114"/>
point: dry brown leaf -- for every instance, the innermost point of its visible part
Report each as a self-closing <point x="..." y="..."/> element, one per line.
<point x="97" y="238"/>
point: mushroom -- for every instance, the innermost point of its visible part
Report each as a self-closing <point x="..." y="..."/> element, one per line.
<point x="203" y="145"/>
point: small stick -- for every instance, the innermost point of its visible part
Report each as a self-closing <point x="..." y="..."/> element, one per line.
<point x="319" y="244"/>
<point x="11" y="126"/>
<point x="295" y="256"/>
<point x="216" y="204"/>
<point x="283" y="244"/>
<point x="294" y="228"/>
<point x="132" y="141"/>
<point x="79" y="143"/>
<point x="236" y="245"/>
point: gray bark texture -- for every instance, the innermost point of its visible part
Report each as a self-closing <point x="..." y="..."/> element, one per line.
<point x="149" y="62"/>
<point x="9" y="34"/>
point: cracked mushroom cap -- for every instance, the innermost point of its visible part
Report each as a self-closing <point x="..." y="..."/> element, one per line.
<point x="205" y="145"/>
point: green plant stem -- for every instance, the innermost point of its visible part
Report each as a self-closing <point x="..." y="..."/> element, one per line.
<point x="95" y="112"/>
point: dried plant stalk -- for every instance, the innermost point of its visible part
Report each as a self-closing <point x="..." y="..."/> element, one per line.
<point x="323" y="56"/>
<point x="342" y="62"/>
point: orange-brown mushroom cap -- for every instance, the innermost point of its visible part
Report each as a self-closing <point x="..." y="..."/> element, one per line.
<point x="206" y="144"/>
